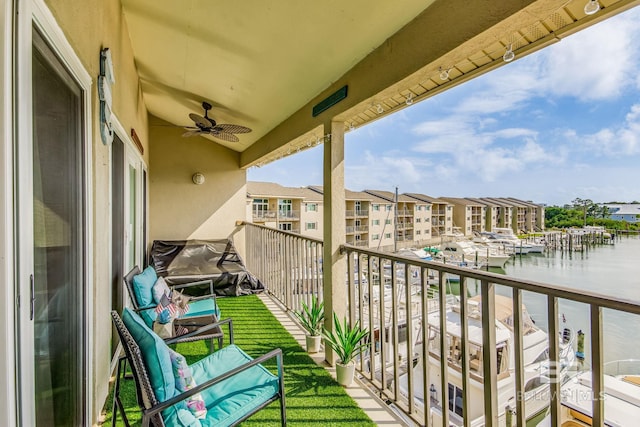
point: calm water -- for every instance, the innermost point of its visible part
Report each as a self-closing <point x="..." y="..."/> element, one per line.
<point x="612" y="270"/>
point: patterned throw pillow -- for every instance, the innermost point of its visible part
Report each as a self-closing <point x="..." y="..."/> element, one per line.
<point x="160" y="288"/>
<point x="184" y="382"/>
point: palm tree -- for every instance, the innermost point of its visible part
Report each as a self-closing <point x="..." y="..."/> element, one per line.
<point x="584" y="203"/>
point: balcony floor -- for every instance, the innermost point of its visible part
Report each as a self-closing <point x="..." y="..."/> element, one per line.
<point x="312" y="395"/>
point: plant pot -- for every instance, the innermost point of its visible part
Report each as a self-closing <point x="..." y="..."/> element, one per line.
<point x="313" y="343"/>
<point x="345" y="373"/>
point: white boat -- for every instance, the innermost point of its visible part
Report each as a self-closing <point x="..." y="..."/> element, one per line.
<point x="621" y="397"/>
<point x="535" y="358"/>
<point x="518" y="246"/>
<point x="473" y="253"/>
<point x="509" y="235"/>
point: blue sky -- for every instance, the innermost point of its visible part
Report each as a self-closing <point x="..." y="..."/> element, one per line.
<point x="555" y="125"/>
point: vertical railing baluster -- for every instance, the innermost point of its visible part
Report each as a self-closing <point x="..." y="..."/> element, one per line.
<point x="372" y="324"/>
<point x="303" y="275"/>
<point x="394" y="327"/>
<point x="444" y="349"/>
<point x="286" y="272"/>
<point x="269" y="264"/>
<point x="409" y="329"/>
<point x="381" y="320"/>
<point x="298" y="296"/>
<point x="424" y="277"/>
<point x="465" y="351"/>
<point x="312" y="277"/>
<point x="489" y="356"/>
<point x="597" y="375"/>
<point x="319" y="270"/>
<point x="554" y="360"/>
<point x="311" y="262"/>
<point x="281" y="255"/>
<point x="351" y="289"/>
<point x="294" y="277"/>
<point x="518" y="357"/>
<point x="280" y="273"/>
<point x="301" y="284"/>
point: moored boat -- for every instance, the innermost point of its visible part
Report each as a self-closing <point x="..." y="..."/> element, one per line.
<point x="621" y="397"/>
<point x="470" y="252"/>
<point x="537" y="374"/>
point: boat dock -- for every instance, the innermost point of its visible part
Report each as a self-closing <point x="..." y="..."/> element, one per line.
<point x="578" y="240"/>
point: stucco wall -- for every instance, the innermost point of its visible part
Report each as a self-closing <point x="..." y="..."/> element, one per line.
<point x="180" y="209"/>
<point x="89" y="26"/>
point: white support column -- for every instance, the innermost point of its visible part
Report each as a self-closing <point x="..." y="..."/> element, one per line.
<point x="333" y="263"/>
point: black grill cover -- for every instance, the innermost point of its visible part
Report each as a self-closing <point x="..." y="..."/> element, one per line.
<point x="183" y="261"/>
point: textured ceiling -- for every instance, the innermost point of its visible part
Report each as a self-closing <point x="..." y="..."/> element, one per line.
<point x="256" y="61"/>
<point x="263" y="64"/>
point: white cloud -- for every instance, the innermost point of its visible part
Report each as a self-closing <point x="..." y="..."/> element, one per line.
<point x="509" y="133"/>
<point x="387" y="170"/>
<point x="598" y="64"/>
<point x="622" y="141"/>
<point x="532" y="152"/>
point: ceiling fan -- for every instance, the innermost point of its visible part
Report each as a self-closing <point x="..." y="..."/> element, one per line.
<point x="207" y="126"/>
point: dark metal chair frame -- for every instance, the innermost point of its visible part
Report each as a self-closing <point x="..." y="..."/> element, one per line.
<point x="146" y="398"/>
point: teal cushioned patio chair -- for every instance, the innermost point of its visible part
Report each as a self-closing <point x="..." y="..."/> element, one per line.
<point x="232" y="384"/>
<point x="203" y="310"/>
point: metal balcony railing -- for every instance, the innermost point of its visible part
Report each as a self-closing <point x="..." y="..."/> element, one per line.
<point x="405" y="306"/>
<point x="284" y="214"/>
<point x="264" y="215"/>
<point x="290" y="265"/>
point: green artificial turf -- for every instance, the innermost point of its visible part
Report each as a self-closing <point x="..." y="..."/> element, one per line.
<point x="312" y="396"/>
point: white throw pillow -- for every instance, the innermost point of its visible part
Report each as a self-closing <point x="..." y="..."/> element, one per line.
<point x="160" y="288"/>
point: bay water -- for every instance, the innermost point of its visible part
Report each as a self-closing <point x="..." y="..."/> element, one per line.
<point x="612" y="270"/>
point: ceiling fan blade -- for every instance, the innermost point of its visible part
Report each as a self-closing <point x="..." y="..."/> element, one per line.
<point x="192" y="133"/>
<point x="200" y="121"/>
<point x="224" y="136"/>
<point x="232" y="128"/>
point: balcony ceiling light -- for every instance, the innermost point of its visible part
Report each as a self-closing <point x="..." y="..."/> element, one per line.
<point x="509" y="55"/>
<point x="591" y="7"/>
<point x="444" y="73"/>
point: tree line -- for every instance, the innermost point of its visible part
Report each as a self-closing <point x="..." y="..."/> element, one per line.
<point x="583" y="212"/>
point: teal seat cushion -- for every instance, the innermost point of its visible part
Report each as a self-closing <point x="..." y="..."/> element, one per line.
<point x="155" y="354"/>
<point x="143" y="287"/>
<point x="149" y="316"/>
<point x="234" y="398"/>
<point x="202" y="307"/>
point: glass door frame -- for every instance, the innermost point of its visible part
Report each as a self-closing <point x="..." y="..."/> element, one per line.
<point x="133" y="158"/>
<point x="35" y="14"/>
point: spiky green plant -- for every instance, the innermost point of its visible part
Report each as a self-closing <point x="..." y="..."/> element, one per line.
<point x="346" y="340"/>
<point x="312" y="317"/>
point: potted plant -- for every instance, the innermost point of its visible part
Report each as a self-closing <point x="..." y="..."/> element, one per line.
<point x="311" y="319"/>
<point x="346" y="342"/>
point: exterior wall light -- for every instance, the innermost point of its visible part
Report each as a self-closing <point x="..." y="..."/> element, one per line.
<point x="198" y="178"/>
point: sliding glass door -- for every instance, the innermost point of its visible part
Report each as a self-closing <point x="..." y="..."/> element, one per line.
<point x="57" y="283"/>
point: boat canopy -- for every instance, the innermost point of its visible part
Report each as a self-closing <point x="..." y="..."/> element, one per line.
<point x="504" y="312"/>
